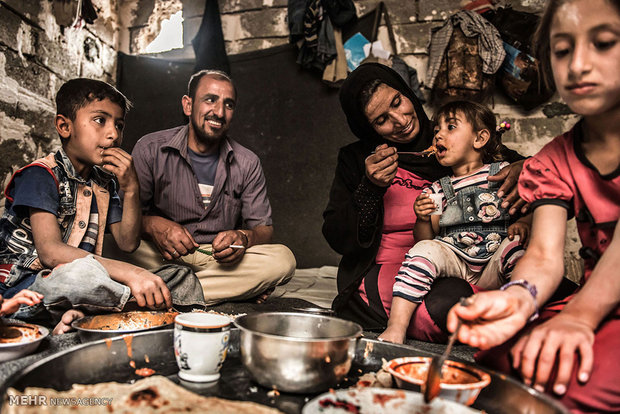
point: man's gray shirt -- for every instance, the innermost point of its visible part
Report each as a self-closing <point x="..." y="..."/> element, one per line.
<point x="169" y="187"/>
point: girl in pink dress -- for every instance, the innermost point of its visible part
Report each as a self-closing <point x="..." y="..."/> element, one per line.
<point x="571" y="349"/>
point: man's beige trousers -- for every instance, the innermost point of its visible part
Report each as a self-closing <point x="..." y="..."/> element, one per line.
<point x="263" y="266"/>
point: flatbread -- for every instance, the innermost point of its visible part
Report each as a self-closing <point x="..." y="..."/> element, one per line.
<point x="156" y="394"/>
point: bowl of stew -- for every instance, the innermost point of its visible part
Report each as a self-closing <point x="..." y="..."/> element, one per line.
<point x="460" y="382"/>
<point x="18" y="339"/>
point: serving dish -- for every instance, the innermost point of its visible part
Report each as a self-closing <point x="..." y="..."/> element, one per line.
<point x="297" y="352"/>
<point x="18" y="339"/>
<point x="381" y="400"/>
<point x="460" y="382"/>
<point x="114" y="324"/>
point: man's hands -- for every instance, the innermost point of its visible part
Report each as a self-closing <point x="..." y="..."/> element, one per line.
<point x="172" y="239"/>
<point x="510" y="176"/>
<point x="226" y="255"/>
<point x="120" y="163"/>
<point x="382" y="165"/>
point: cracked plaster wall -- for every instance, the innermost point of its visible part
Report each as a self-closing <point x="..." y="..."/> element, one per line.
<point x="250" y="25"/>
<point x="37" y="54"/>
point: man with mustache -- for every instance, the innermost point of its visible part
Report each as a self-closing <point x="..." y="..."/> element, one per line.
<point x="204" y="200"/>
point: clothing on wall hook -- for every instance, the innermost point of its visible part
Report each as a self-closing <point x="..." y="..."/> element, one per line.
<point x="85" y="13"/>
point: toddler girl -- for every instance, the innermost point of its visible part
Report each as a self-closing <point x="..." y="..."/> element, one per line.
<point x="473" y="238"/>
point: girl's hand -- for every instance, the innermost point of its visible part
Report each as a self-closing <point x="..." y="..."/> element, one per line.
<point x="23" y="297"/>
<point x="382" y="165"/>
<point x="510" y="176"/>
<point x="423" y="207"/>
<point x="519" y="229"/>
<point x="561" y="338"/>
<point x="491" y="318"/>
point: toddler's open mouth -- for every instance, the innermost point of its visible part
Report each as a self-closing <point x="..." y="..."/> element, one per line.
<point x="440" y="150"/>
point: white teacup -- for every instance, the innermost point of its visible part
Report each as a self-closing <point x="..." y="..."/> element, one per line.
<point x="200" y="345"/>
<point x="437" y="199"/>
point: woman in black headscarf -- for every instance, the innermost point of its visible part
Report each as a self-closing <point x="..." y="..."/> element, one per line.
<point x="369" y="217"/>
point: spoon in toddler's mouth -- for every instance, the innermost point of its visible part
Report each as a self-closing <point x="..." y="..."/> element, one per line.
<point x="426" y="153"/>
<point x="432" y="387"/>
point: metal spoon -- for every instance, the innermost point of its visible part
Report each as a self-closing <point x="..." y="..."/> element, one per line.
<point x="415" y="153"/>
<point x="433" y="379"/>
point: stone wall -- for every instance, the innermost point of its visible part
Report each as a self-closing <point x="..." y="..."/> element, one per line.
<point x="38" y="52"/>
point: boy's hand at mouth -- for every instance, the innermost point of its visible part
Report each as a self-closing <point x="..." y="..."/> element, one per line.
<point x="120" y="163"/>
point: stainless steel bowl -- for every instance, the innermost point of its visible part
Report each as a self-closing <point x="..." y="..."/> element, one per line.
<point x="95" y="327"/>
<point x="297" y="352"/>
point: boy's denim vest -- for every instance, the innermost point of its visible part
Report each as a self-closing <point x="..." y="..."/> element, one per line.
<point x="18" y="255"/>
<point x="473" y="219"/>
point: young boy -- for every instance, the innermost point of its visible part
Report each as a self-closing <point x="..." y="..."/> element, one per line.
<point x="58" y="208"/>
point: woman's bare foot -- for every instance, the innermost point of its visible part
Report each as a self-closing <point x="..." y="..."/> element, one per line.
<point x="64" y="325"/>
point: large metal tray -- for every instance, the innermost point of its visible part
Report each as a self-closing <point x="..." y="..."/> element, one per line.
<point x="109" y="359"/>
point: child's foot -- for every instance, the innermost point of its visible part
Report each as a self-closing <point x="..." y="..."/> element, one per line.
<point x="391" y="335"/>
<point x="64" y="325"/>
<point x="262" y="298"/>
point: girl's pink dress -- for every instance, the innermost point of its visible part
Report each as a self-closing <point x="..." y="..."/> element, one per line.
<point x="560" y="174"/>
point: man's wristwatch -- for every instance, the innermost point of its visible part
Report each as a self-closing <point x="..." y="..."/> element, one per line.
<point x="530" y="288"/>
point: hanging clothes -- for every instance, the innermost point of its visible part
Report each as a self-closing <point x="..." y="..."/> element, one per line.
<point x="490" y="45"/>
<point x="209" y="45"/>
<point x="314" y="29"/>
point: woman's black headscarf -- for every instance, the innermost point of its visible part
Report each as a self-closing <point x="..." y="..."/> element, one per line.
<point x="424" y="167"/>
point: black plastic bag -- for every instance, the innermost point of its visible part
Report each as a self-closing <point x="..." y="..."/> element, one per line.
<point x="519" y="75"/>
